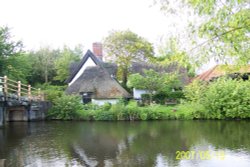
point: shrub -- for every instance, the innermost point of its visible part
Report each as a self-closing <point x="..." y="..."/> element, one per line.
<point x="65" y="108"/>
<point x="194" y="92"/>
<point x="159" y="112"/>
<point x="119" y="111"/>
<point x="107" y="115"/>
<point x="160" y="97"/>
<point x="145" y="99"/>
<point x="227" y="98"/>
<point x="223" y="98"/>
<point x="191" y="111"/>
<point x="52" y="92"/>
<point x="143" y="114"/>
<point x="132" y="111"/>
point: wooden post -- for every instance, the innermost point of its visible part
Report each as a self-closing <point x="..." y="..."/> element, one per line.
<point x="29" y="92"/>
<point x="5" y="85"/>
<point x="19" y="89"/>
<point x="42" y="96"/>
<point x="39" y="93"/>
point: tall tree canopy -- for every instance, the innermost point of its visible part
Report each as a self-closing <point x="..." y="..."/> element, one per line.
<point x="52" y="65"/>
<point x="62" y="64"/>
<point x="43" y="63"/>
<point x="8" y="48"/>
<point x="125" y="47"/>
<point x="169" y="53"/>
<point x="225" y="28"/>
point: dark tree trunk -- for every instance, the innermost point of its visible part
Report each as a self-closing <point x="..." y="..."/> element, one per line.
<point x="124" y="77"/>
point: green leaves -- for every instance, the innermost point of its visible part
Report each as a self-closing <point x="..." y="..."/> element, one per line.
<point x="152" y="80"/>
<point x="66" y="108"/>
<point x="227" y="27"/>
<point x="224" y="28"/>
<point x="8" y="48"/>
<point x="155" y="83"/>
<point x="125" y="47"/>
<point x="223" y="98"/>
<point x="63" y="63"/>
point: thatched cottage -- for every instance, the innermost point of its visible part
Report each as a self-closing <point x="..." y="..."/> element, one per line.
<point x="95" y="80"/>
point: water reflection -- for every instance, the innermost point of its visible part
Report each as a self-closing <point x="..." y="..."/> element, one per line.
<point x="124" y="143"/>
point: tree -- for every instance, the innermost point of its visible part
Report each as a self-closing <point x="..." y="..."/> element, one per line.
<point x="169" y="53"/>
<point x="225" y="28"/>
<point x="19" y="68"/>
<point x="62" y="64"/>
<point x="43" y="63"/>
<point x="8" y="48"/>
<point x="125" y="47"/>
<point x="153" y="81"/>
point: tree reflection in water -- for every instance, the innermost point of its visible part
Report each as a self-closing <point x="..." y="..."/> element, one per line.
<point x="152" y="143"/>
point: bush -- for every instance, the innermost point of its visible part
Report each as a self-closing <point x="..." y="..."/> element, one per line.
<point x="52" y="92"/>
<point x="223" y="98"/>
<point x="194" y="92"/>
<point x="160" y="97"/>
<point x="106" y="115"/>
<point x="130" y="112"/>
<point x="66" y="108"/>
<point x="191" y="111"/>
<point x="227" y="98"/>
<point x="145" y="99"/>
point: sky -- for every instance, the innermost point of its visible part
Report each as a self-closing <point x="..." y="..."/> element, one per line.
<point x="55" y="23"/>
<point x="71" y="22"/>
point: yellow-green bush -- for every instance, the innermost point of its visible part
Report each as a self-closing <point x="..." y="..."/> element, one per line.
<point x="220" y="99"/>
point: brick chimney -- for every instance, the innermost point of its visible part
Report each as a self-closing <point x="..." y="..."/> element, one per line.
<point x="97" y="50"/>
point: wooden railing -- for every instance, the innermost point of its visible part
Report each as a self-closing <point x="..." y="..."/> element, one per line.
<point x="15" y="88"/>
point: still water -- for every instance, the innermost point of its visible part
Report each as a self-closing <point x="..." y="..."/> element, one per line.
<point x="152" y="143"/>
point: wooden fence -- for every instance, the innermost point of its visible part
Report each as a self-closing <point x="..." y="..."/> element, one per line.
<point x="15" y="88"/>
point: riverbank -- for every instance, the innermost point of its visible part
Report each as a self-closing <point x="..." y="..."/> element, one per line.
<point x="132" y="112"/>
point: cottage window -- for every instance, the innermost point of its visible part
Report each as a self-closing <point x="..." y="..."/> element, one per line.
<point x="86" y="97"/>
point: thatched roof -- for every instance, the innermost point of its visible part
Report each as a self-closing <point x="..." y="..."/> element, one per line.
<point x="111" y="68"/>
<point x="171" y="68"/>
<point x="76" y="66"/>
<point x="221" y="70"/>
<point x="98" y="81"/>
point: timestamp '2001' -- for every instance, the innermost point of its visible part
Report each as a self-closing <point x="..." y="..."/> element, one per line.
<point x="203" y="155"/>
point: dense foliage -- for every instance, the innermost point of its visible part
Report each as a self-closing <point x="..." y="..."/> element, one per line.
<point x="65" y="108"/>
<point x="170" y="53"/>
<point x="125" y="47"/>
<point x="223" y="98"/>
<point x="62" y="64"/>
<point x="222" y="31"/>
<point x="159" y="84"/>
<point x="130" y="112"/>
<point x="13" y="62"/>
<point x="52" y="65"/>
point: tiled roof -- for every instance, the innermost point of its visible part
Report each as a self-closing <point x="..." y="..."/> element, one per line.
<point x="220" y="70"/>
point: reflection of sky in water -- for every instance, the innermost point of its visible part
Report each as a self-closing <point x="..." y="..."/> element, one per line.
<point x="232" y="158"/>
<point x="30" y="157"/>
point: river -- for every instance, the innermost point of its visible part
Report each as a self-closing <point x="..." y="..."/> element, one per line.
<point x="149" y="143"/>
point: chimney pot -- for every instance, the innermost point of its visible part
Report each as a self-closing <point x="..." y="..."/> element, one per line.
<point x="97" y="50"/>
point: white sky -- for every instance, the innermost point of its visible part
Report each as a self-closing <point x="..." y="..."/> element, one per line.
<point x="56" y="23"/>
<point x="71" y="22"/>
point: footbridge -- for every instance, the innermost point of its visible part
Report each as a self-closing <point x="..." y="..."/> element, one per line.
<point x="20" y="102"/>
